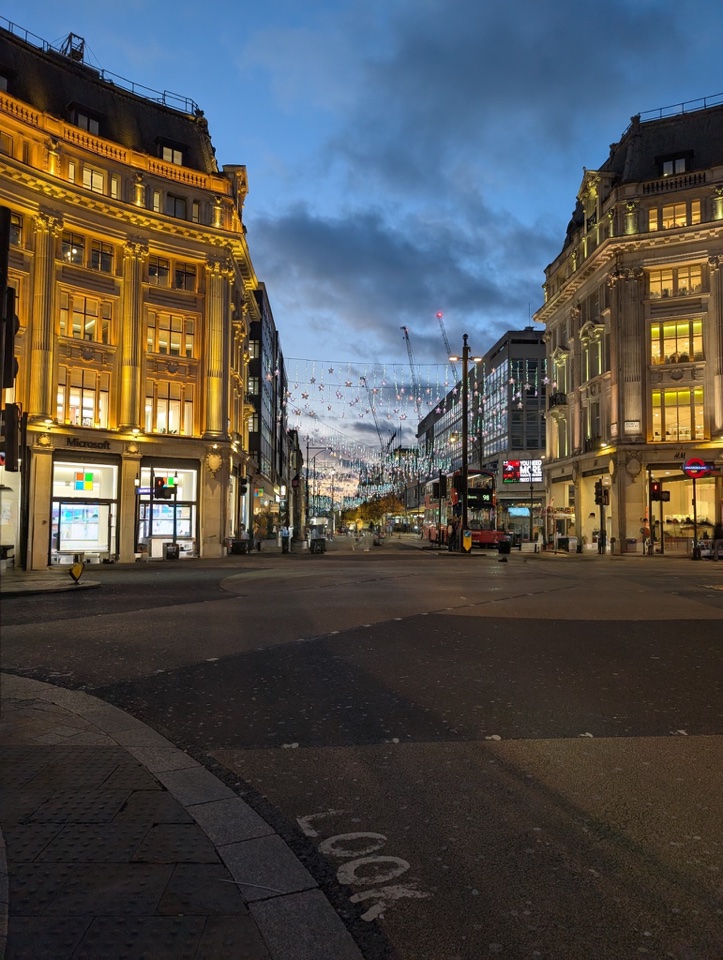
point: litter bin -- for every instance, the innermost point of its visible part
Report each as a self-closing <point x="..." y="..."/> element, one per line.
<point x="171" y="551"/>
<point x="631" y="545"/>
<point x="504" y="545"/>
<point x="572" y="544"/>
<point x="317" y="545"/>
<point x="239" y="546"/>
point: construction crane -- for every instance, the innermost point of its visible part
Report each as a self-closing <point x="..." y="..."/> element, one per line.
<point x="452" y="364"/>
<point x="417" y="400"/>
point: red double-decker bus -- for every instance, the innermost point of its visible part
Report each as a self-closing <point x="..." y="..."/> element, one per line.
<point x="442" y="504"/>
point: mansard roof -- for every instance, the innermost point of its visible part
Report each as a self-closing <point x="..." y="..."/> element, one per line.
<point x="53" y="82"/>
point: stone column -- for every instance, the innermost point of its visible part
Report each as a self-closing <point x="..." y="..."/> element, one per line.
<point x="215" y="349"/>
<point x="127" y="507"/>
<point x="42" y="338"/>
<point x="41" y="480"/>
<point x="713" y="347"/>
<point x="628" y="351"/>
<point x="132" y="336"/>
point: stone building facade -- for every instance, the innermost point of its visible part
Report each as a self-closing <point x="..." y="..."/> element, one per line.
<point x="634" y="329"/>
<point x="135" y="292"/>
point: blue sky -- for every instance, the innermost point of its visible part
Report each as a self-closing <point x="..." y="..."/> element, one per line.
<point x="404" y="156"/>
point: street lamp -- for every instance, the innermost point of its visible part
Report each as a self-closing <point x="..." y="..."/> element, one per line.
<point x="333" y="472"/>
<point x="465" y="428"/>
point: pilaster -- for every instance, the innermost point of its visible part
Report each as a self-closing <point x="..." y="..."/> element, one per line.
<point x="132" y="335"/>
<point x="42" y="339"/>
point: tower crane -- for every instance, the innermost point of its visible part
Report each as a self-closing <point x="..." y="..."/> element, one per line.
<point x="415" y="386"/>
<point x="376" y="424"/>
<point x="452" y="364"/>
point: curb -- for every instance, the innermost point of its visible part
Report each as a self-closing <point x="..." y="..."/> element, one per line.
<point x="296" y="920"/>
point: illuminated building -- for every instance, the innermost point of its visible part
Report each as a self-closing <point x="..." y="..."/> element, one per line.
<point x="634" y="329"/>
<point x="135" y="291"/>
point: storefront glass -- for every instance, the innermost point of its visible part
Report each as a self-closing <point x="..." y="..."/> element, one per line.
<point x="83" y="512"/>
<point x="167" y="512"/>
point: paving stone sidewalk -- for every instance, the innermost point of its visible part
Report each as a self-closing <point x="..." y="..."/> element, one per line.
<point x="116" y="844"/>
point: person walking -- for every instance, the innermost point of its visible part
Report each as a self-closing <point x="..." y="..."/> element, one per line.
<point x="285" y="538"/>
<point x="257" y="537"/>
<point x="717" y="540"/>
<point x="244" y="538"/>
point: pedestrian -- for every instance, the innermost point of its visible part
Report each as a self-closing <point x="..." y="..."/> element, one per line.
<point x="717" y="540"/>
<point x="285" y="538"/>
<point x="257" y="537"/>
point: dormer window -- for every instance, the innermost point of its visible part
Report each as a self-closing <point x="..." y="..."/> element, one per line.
<point x="674" y="164"/>
<point x="172" y="154"/>
<point x="671" y="167"/>
<point x="85" y="119"/>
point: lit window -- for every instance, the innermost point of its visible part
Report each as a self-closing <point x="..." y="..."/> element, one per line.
<point x="678" y="415"/>
<point x="94" y="180"/>
<point x="170" y="334"/>
<point x="16" y="229"/>
<point x="676" y="341"/>
<point x="73" y="248"/>
<point x="82" y="398"/>
<point x="85" y="318"/>
<point x="169" y="408"/>
<point x="115" y="187"/>
<point x="196" y="211"/>
<point x="674" y="215"/>
<point x="678" y="282"/>
<point x="156" y="201"/>
<point x="71" y="171"/>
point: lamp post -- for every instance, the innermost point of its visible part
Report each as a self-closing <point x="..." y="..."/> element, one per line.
<point x="333" y="472"/>
<point x="465" y="429"/>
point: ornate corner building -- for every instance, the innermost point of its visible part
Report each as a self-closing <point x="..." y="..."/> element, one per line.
<point x="634" y="329"/>
<point x="135" y="293"/>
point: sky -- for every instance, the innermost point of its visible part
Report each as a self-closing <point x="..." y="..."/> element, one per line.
<point x="404" y="157"/>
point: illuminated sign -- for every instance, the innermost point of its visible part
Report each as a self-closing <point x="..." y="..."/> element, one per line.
<point x="695" y="467"/>
<point x="522" y="471"/>
<point x="84" y="481"/>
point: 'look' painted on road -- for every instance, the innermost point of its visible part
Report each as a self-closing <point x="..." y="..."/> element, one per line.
<point x="363" y="867"/>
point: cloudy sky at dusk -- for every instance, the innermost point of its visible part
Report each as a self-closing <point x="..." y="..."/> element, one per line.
<point x="404" y="156"/>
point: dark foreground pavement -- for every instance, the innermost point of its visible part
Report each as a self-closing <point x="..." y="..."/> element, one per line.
<point x="117" y="844"/>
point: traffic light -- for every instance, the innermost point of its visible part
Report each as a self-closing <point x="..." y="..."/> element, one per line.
<point x="160" y="491"/>
<point x="10" y="327"/>
<point x="442" y="486"/>
<point x="599" y="492"/>
<point x="655" y="490"/>
<point x="243" y="485"/>
<point x="11" y="437"/>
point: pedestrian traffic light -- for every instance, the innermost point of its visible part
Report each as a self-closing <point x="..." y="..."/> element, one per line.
<point x="599" y="493"/>
<point x="11" y="437"/>
<point x="160" y="491"/>
<point x="10" y="327"/>
<point x="243" y="486"/>
<point x="655" y="489"/>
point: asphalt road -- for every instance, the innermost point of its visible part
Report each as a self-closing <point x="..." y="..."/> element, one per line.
<point x="519" y="759"/>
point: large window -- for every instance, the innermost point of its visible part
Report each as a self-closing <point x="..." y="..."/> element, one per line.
<point x="83" y="397"/>
<point x="678" y="341"/>
<point x="674" y="215"/>
<point x="85" y="318"/>
<point x="80" y="250"/>
<point x="73" y="248"/>
<point x="159" y="271"/>
<point x="184" y="276"/>
<point x="593" y="359"/>
<point x="101" y="256"/>
<point x="170" y="333"/>
<point x="675" y="282"/>
<point x="678" y="415"/>
<point x="169" y="408"/>
<point x="93" y="179"/>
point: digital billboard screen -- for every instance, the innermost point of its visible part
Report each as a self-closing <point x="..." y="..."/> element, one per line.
<point x="522" y="471"/>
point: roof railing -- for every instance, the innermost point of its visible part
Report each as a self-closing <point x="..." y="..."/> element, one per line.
<point x="174" y="101"/>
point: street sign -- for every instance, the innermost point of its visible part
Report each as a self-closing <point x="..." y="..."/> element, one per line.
<point x="695" y="467"/>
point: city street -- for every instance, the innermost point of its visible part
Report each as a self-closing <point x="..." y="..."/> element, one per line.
<point x="475" y="758"/>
